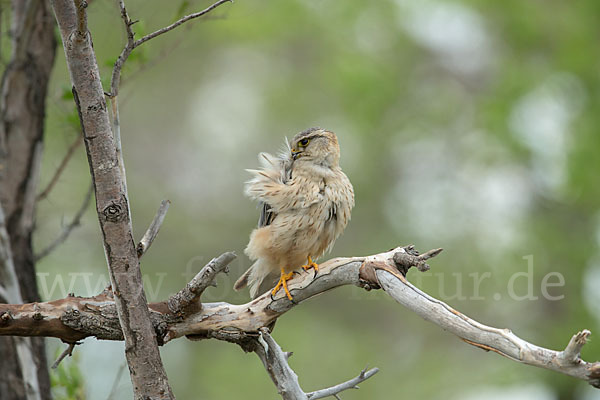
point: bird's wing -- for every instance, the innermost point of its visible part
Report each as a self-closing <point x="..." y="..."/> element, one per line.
<point x="274" y="171"/>
<point x="266" y="214"/>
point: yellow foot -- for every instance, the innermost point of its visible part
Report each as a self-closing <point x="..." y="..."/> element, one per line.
<point x="283" y="282"/>
<point x="311" y="264"/>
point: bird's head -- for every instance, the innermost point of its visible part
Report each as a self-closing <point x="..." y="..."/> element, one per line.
<point x="316" y="145"/>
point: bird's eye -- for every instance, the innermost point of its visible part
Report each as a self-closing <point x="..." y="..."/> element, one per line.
<point x="303" y="142"/>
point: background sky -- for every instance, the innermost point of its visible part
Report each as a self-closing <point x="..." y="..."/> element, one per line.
<point x="466" y="124"/>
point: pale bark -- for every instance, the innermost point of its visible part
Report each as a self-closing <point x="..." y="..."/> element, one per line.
<point x="74" y="318"/>
<point x="275" y="361"/>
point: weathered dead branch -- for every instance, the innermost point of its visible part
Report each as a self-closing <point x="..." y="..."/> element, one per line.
<point x="180" y="302"/>
<point x="74" y="318"/>
<point x="275" y="361"/>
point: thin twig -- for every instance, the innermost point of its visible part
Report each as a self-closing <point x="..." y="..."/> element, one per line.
<point x="351" y="384"/>
<point x="132" y="44"/>
<point x="60" y="168"/>
<point x="68" y="352"/>
<point x="153" y="229"/>
<point x="69" y="228"/>
<point x="193" y="290"/>
<point x="285" y="379"/>
<point x="128" y="23"/>
<point x="179" y="22"/>
<point x="116" y="73"/>
<point x="162" y="55"/>
<point x="28" y="213"/>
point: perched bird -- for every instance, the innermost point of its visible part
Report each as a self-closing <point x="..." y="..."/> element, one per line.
<point x="305" y="201"/>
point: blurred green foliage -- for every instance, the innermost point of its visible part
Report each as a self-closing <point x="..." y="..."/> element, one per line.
<point x="66" y="380"/>
<point x="467" y="124"/>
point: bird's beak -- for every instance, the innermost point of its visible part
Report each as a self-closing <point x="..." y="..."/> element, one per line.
<point x="295" y="154"/>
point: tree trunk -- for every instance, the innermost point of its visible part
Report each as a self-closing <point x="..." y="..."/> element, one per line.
<point x="22" y="110"/>
<point x="112" y="205"/>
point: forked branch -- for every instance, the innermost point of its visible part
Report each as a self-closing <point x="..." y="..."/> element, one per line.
<point x="351" y="384"/>
<point x="74" y="318"/>
<point x="132" y="43"/>
<point x="285" y="379"/>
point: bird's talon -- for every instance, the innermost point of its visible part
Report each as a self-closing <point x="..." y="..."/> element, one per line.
<point x="311" y="264"/>
<point x="283" y="283"/>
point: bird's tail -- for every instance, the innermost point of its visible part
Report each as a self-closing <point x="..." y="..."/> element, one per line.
<point x="242" y="282"/>
<point x="258" y="277"/>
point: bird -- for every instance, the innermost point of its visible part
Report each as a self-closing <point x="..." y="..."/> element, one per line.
<point x="305" y="200"/>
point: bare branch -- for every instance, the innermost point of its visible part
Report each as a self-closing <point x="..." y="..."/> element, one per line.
<point x="128" y="23"/>
<point x="69" y="228"/>
<point x="179" y="22"/>
<point x="60" y="168"/>
<point x="132" y="44"/>
<point x="275" y="361"/>
<point x="75" y="318"/>
<point x="351" y="384"/>
<point x="114" y="87"/>
<point x="68" y="352"/>
<point x="193" y="290"/>
<point x="153" y="229"/>
<point x="285" y="379"/>
<point x="115" y="79"/>
<point x="501" y="341"/>
<point x="28" y="205"/>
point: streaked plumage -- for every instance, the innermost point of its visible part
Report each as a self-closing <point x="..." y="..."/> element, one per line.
<point x="305" y="201"/>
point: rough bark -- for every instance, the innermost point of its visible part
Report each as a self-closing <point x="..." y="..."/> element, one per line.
<point x="112" y="205"/>
<point x="22" y="110"/>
